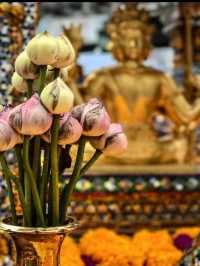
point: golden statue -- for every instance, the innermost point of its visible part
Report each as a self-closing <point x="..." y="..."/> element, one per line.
<point x="75" y="73"/>
<point x="157" y="118"/>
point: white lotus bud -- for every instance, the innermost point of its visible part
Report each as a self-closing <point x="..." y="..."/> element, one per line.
<point x="66" y="53"/>
<point x="19" y="83"/>
<point x="43" y="49"/>
<point x="57" y="97"/>
<point x="64" y="73"/>
<point x="24" y="67"/>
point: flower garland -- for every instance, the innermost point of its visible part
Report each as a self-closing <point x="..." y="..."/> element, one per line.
<point x="103" y="247"/>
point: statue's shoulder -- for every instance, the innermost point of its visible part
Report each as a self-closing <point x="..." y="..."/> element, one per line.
<point x="152" y="71"/>
<point x="101" y="73"/>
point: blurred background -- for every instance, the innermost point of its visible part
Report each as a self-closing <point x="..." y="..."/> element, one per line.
<point x="167" y="193"/>
<point x="93" y="16"/>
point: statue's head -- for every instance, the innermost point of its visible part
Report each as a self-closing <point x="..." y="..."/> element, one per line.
<point x="14" y="9"/>
<point x="129" y="33"/>
<point x="73" y="33"/>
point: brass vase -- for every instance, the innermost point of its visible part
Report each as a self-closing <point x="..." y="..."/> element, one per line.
<point x="38" y="246"/>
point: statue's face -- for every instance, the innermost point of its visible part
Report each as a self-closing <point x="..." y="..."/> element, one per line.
<point x="129" y="45"/>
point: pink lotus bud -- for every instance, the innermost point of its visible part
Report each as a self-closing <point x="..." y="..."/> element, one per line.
<point x="8" y="136"/>
<point x="70" y="130"/>
<point x="93" y="117"/>
<point x="5" y="113"/>
<point x="113" y="142"/>
<point x="30" y="117"/>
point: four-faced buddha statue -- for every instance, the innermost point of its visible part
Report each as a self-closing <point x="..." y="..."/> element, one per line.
<point x="153" y="110"/>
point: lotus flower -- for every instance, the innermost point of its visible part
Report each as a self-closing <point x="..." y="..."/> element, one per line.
<point x="66" y="53"/>
<point x="113" y="142"/>
<point x="8" y="136"/>
<point x="5" y="113"/>
<point x="57" y="97"/>
<point x="43" y="49"/>
<point x="64" y="74"/>
<point x="24" y="67"/>
<point x="93" y="117"/>
<point x="49" y="74"/>
<point x="70" y="130"/>
<point x="30" y="117"/>
<point x="19" y="83"/>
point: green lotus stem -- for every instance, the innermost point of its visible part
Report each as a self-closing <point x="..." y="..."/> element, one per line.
<point x="36" y="157"/>
<point x="28" y="195"/>
<point x="44" y="178"/>
<point x="24" y="205"/>
<point x="69" y="188"/>
<point x="18" y="152"/>
<point x="9" y="187"/>
<point x="94" y="158"/>
<point x="42" y="78"/>
<point x="54" y="169"/>
<point x="64" y="158"/>
<point x="50" y="202"/>
<point x="30" y="88"/>
<point x="32" y="178"/>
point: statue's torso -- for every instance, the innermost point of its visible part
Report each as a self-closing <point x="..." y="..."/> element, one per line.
<point x="139" y="88"/>
<point x="131" y="96"/>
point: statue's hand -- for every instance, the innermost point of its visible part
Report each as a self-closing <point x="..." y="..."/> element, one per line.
<point x="194" y="81"/>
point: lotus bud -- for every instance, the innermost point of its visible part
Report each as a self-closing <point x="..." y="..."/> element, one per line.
<point x="93" y="117"/>
<point x="43" y="49"/>
<point x="57" y="97"/>
<point x="8" y="136"/>
<point x="113" y="142"/>
<point x="24" y="67"/>
<point x="70" y="130"/>
<point x="30" y="117"/>
<point x="66" y="53"/>
<point x="49" y="74"/>
<point x="64" y="74"/>
<point x="5" y="113"/>
<point x="19" y="83"/>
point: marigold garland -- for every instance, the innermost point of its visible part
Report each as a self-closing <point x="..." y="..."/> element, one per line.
<point x="107" y="248"/>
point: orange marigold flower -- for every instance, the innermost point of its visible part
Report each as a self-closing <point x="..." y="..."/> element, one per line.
<point x="70" y="253"/>
<point x="193" y="232"/>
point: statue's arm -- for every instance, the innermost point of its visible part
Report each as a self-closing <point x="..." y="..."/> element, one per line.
<point x="103" y="86"/>
<point x="176" y="105"/>
<point x="97" y="83"/>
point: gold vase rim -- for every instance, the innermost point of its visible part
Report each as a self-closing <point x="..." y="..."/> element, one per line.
<point x="70" y="225"/>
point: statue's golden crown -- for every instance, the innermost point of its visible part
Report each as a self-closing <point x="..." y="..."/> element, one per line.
<point x="128" y="16"/>
<point x="73" y="31"/>
<point x="14" y="9"/>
